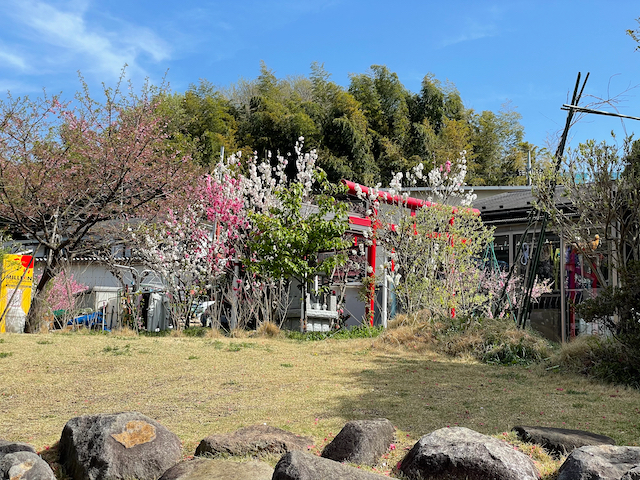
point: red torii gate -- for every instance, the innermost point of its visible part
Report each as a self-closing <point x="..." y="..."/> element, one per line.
<point x="409" y="202"/>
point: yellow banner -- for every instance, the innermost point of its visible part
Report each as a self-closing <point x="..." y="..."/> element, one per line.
<point x="15" y="291"/>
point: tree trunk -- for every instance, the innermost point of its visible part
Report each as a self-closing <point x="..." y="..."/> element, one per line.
<point x="36" y="311"/>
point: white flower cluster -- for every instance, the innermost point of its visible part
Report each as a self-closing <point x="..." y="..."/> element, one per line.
<point x="260" y="185"/>
<point x="367" y="238"/>
<point x="394" y="278"/>
<point x="445" y="181"/>
<point x="395" y="185"/>
<point x="370" y="195"/>
<point x="306" y="165"/>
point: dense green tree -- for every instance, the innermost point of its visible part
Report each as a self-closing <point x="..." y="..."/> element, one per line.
<point x="421" y="142"/>
<point x="276" y="117"/>
<point x="201" y="120"/>
<point x="498" y="148"/>
<point x="436" y="103"/>
<point x="365" y="133"/>
<point x="384" y="103"/>
<point x="455" y="137"/>
<point x="345" y="141"/>
<point x="437" y="115"/>
<point x="632" y="160"/>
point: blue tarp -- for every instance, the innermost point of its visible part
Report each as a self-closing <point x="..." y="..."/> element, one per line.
<point x="91" y="320"/>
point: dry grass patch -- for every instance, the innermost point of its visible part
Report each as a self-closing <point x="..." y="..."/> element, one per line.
<point x="414" y="333"/>
<point x="547" y="465"/>
<point x="198" y="386"/>
<point x="417" y="339"/>
<point x="268" y="329"/>
<point x="121" y="332"/>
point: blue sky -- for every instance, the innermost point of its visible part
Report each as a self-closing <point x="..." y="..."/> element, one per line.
<point x="527" y="53"/>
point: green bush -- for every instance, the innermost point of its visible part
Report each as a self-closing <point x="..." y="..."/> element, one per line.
<point x="617" y="309"/>
<point x="506" y="352"/>
<point x="493" y="341"/>
<point x="604" y="359"/>
<point x="195" y="331"/>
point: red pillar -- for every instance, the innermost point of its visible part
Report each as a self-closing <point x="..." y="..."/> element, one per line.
<point x="371" y="261"/>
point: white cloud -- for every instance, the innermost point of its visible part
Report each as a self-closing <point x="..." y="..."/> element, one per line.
<point x="143" y="39"/>
<point x="12" y="59"/>
<point x="466" y="37"/>
<point x="73" y="39"/>
<point x="13" y="85"/>
<point x="484" y="24"/>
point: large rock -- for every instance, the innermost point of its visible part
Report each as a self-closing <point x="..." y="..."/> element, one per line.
<point x="24" y="465"/>
<point x="604" y="462"/>
<point x="361" y="441"/>
<point x="633" y="474"/>
<point x="298" y="465"/>
<point x="7" y="446"/>
<point x="117" y="446"/>
<point x="464" y="453"/>
<point x="561" y="441"/>
<point x="254" y="440"/>
<point x="209" y="469"/>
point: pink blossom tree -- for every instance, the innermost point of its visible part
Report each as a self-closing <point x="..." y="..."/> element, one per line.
<point x="247" y="211"/>
<point x="68" y="170"/>
<point x="193" y="247"/>
<point x="62" y="294"/>
<point x="494" y="281"/>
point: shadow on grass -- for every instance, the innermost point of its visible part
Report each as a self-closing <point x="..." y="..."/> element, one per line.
<point x="419" y="395"/>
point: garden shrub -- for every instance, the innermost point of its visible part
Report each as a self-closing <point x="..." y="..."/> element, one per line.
<point x="195" y="331"/>
<point x="601" y="358"/>
<point x="617" y="358"/>
<point x="496" y="341"/>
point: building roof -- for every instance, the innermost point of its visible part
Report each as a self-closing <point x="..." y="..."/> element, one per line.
<point x="513" y="206"/>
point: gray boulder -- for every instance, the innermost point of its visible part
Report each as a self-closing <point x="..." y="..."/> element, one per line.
<point x="7" y="446"/>
<point x="633" y="474"/>
<point x="603" y="462"/>
<point x="298" y="465"/>
<point x="561" y="441"/>
<point x="254" y="440"/>
<point x="117" y="446"/>
<point x="24" y="465"/>
<point x="210" y="469"/>
<point x="464" y="453"/>
<point x="361" y="441"/>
